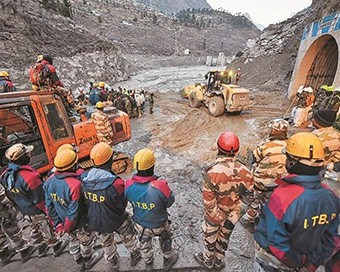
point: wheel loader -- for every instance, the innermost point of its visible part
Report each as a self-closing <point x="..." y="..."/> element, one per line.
<point x="40" y="119"/>
<point x="218" y="95"/>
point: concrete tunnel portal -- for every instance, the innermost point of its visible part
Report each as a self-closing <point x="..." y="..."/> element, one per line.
<point x="318" y="59"/>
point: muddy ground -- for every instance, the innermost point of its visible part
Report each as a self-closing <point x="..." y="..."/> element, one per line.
<point x="184" y="141"/>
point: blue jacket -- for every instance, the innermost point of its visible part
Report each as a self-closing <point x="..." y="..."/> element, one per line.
<point x="150" y="198"/>
<point x="24" y="186"/>
<point x="7" y="86"/>
<point x="299" y="223"/>
<point x="64" y="203"/>
<point x="104" y="198"/>
<point x="95" y="95"/>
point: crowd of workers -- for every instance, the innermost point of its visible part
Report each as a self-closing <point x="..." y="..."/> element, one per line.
<point x="282" y="200"/>
<point x="131" y="102"/>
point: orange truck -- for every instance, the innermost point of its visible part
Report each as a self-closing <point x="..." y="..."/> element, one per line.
<point x="40" y="119"/>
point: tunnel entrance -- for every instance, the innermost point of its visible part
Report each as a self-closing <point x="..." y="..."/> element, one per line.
<point x="325" y="63"/>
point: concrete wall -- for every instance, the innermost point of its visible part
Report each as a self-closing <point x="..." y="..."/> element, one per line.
<point x="318" y="60"/>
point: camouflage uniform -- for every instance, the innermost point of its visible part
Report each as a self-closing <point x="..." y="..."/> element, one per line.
<point x="127" y="106"/>
<point x="224" y="184"/>
<point x="151" y="101"/>
<point x="330" y="139"/>
<point x="81" y="242"/>
<point x="269" y="164"/>
<point x="9" y="226"/>
<point x="165" y="234"/>
<point x="103" y="127"/>
<point x="126" y="233"/>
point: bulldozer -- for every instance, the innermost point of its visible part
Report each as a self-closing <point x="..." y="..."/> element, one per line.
<point x="218" y="95"/>
<point x="40" y="119"/>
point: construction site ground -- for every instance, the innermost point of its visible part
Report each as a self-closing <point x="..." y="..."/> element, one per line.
<point x="184" y="141"/>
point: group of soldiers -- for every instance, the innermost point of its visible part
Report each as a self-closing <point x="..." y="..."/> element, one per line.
<point x="309" y="101"/>
<point x="294" y="216"/>
<point x="85" y="205"/>
<point x="43" y="77"/>
<point x="131" y="102"/>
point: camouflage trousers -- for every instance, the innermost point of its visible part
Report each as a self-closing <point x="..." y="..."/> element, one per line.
<point x="139" y="111"/>
<point x="128" y="236"/>
<point x="41" y="231"/>
<point x="65" y="95"/>
<point x="81" y="242"/>
<point x="150" y="107"/>
<point x="10" y="231"/>
<point x="260" y="199"/>
<point x="216" y="239"/>
<point x="165" y="234"/>
<point x="265" y="262"/>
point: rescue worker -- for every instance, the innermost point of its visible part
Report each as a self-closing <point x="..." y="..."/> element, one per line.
<point x="10" y="232"/>
<point x="150" y="197"/>
<point x="67" y="211"/>
<point x="94" y="94"/>
<point x="137" y="97"/>
<point x="102" y="124"/>
<point x="81" y="97"/>
<point x="224" y="185"/>
<point x="304" y="104"/>
<point x="43" y="76"/>
<point x="238" y="75"/>
<point x="103" y="92"/>
<point x="6" y="84"/>
<point x="127" y="105"/>
<point x="323" y="121"/>
<point x="298" y="227"/>
<point x="151" y="103"/>
<point x="104" y="197"/>
<point x="24" y="187"/>
<point x="269" y="163"/>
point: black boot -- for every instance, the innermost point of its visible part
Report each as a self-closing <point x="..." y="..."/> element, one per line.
<point x="95" y="258"/>
<point x="6" y="255"/>
<point x="169" y="262"/>
<point x="42" y="250"/>
<point x="58" y="248"/>
<point x="81" y="264"/>
<point x="27" y="253"/>
<point x="135" y="257"/>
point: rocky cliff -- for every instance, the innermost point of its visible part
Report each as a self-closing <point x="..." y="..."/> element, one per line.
<point x="268" y="61"/>
<point x="28" y="28"/>
<point x="174" y="6"/>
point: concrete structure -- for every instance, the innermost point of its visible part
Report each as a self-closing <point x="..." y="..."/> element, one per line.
<point x="221" y="60"/>
<point x="318" y="59"/>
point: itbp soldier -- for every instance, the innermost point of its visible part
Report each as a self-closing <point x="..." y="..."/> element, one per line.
<point x="224" y="185"/>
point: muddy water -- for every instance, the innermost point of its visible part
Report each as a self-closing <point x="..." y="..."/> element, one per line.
<point x="184" y="141"/>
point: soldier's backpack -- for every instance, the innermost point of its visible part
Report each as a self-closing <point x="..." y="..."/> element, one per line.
<point x="38" y="75"/>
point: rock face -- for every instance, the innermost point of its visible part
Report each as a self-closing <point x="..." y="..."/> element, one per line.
<point x="273" y="53"/>
<point x="175" y="6"/>
<point x="28" y="29"/>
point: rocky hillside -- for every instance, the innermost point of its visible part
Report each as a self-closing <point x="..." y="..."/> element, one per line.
<point x="28" y="28"/>
<point x="272" y="55"/>
<point x="174" y="6"/>
<point x="138" y="29"/>
<point x="87" y="38"/>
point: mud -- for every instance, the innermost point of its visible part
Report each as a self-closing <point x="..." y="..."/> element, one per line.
<point x="184" y="140"/>
<point x="184" y="143"/>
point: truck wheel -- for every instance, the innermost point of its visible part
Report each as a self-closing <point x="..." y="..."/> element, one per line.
<point x="193" y="101"/>
<point x="216" y="106"/>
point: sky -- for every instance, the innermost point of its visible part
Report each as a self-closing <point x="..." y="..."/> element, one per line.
<point x="264" y="12"/>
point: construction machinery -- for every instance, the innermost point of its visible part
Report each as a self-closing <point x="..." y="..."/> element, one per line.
<point x="218" y="95"/>
<point x="40" y="119"/>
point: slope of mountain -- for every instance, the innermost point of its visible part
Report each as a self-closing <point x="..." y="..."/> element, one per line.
<point x="174" y="6"/>
<point x="272" y="55"/>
